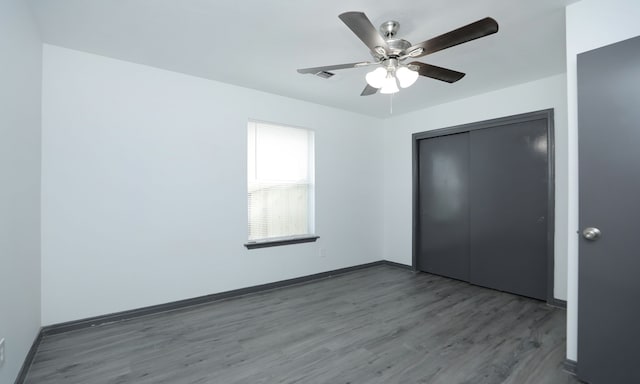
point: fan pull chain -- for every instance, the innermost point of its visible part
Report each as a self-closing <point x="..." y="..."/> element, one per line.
<point x="391" y="104"/>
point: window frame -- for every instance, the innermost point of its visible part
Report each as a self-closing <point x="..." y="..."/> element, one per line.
<point x="292" y="239"/>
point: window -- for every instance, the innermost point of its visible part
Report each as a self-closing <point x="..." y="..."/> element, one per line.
<point x="280" y="180"/>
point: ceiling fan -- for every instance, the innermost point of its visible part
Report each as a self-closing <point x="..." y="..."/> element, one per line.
<point x="389" y="53"/>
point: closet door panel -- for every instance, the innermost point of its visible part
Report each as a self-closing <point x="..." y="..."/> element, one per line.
<point x="508" y="208"/>
<point x="443" y="244"/>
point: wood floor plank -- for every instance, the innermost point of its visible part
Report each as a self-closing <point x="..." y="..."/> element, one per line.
<point x="378" y="325"/>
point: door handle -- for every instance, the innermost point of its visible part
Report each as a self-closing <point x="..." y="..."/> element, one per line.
<point x="591" y="233"/>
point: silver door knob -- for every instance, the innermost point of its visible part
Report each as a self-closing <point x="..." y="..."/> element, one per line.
<point x="591" y="233"/>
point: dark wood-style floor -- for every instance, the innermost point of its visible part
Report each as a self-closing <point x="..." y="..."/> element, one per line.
<point x="378" y="325"/>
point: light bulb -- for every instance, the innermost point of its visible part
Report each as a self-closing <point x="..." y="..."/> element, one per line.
<point x="390" y="85"/>
<point x="376" y="77"/>
<point x="406" y="77"/>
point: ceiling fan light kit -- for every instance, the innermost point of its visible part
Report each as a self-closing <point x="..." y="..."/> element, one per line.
<point x="390" y="52"/>
<point x="388" y="78"/>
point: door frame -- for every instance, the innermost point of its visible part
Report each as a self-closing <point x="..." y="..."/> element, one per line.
<point x="545" y="114"/>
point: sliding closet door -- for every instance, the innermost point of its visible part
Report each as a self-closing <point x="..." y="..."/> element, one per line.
<point x="508" y="208"/>
<point x="443" y="241"/>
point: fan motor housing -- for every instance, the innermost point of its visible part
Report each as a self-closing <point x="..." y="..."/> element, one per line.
<point x="397" y="45"/>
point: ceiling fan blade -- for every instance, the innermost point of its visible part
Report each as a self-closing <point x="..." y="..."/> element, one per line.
<point x="476" y="30"/>
<point x="360" y="24"/>
<point x="315" y="70"/>
<point x="369" y="90"/>
<point x="438" y="73"/>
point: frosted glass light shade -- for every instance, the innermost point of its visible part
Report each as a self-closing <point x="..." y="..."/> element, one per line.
<point x="406" y="77"/>
<point x="376" y="77"/>
<point x="390" y="85"/>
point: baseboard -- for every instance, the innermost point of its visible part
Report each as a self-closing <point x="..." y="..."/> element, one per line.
<point x="28" y="360"/>
<point x="397" y="265"/>
<point x="570" y="366"/>
<point x="154" y="309"/>
<point x="558" y="303"/>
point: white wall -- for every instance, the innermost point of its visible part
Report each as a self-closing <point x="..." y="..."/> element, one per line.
<point x="144" y="195"/>
<point x="116" y="190"/>
<point x="590" y="24"/>
<point x="143" y="178"/>
<point x="537" y="95"/>
<point x="20" y="75"/>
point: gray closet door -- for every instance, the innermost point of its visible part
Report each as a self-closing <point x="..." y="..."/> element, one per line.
<point x="443" y="243"/>
<point x="609" y="268"/>
<point x="508" y="208"/>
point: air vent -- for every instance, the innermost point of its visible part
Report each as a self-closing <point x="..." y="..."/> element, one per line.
<point x="325" y="74"/>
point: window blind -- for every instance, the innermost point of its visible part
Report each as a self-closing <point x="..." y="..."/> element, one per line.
<point x="280" y="180"/>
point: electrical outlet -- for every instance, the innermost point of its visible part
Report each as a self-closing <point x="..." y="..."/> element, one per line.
<point x="1" y="351"/>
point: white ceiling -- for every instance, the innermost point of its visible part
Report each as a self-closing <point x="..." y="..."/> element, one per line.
<point x="259" y="44"/>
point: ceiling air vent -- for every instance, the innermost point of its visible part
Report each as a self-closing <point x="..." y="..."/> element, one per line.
<point x="324" y="74"/>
